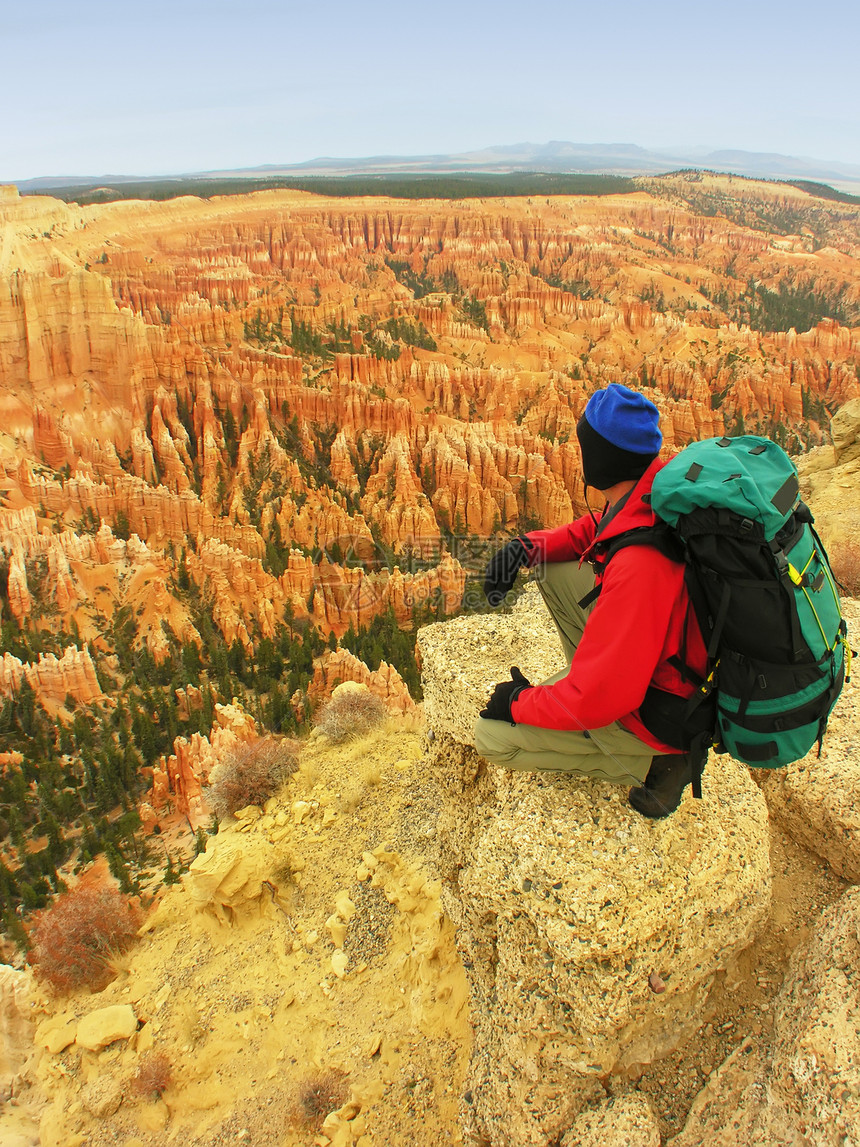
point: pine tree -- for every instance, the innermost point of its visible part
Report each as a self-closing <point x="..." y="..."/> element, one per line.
<point x="56" y="845"/>
<point x="207" y="714"/>
<point x="171" y="876"/>
<point x="8" y="885"/>
<point x="118" y="867"/>
<point x="29" y="897"/>
<point x="14" y="929"/>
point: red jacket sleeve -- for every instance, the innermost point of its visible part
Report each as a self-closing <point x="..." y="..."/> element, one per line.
<point x="564" y="543"/>
<point x="621" y="646"/>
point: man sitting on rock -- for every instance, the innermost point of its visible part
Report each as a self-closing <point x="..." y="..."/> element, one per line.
<point x="632" y="637"/>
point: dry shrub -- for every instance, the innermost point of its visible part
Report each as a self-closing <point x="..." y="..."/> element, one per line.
<point x="153" y="1075"/>
<point x="251" y="774"/>
<point x="317" y="1096"/>
<point x="75" y="939"/>
<point x="351" y="714"/>
<point x="845" y="561"/>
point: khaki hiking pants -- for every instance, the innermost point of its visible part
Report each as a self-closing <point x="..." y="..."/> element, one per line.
<point x="608" y="754"/>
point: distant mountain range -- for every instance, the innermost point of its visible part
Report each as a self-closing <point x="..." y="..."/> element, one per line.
<point x="555" y="156"/>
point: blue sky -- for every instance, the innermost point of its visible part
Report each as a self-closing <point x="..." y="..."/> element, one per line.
<point x="99" y="87"/>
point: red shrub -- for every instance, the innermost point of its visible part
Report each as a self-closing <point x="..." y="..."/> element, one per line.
<point x="845" y="559"/>
<point x="75" y="938"/>
<point x="153" y="1075"/>
<point x="317" y="1096"/>
<point x="251" y="774"/>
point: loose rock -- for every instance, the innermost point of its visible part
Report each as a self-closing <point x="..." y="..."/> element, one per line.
<point x="105" y="1026"/>
<point x="102" y="1097"/>
<point x="624" y="1122"/>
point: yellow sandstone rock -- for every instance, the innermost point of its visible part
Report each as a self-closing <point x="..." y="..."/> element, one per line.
<point x="60" y="1038"/>
<point x="106" y="1026"/>
<point x="345" y="907"/>
<point x="337" y="930"/>
<point x="56" y="1033"/>
<point x="624" y="1122"/>
<point x="301" y="810"/>
<point x="231" y="874"/>
<point x="567" y="903"/>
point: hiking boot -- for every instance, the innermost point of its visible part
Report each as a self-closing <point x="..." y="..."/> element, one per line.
<point x="664" y="786"/>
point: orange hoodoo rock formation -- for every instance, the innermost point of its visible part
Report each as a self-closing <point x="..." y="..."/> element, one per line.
<point x="333" y="669"/>
<point x="314" y="399"/>
<point x="52" y="678"/>
<point x="180" y="778"/>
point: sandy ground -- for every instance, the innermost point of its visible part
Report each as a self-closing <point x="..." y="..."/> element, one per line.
<point x="249" y="1009"/>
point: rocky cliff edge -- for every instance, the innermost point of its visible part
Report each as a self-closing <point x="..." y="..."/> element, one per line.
<point x="592" y="937"/>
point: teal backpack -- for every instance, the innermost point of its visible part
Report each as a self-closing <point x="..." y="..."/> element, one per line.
<point x="765" y="599"/>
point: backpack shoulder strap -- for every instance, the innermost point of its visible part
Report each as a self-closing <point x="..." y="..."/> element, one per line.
<point x="660" y="536"/>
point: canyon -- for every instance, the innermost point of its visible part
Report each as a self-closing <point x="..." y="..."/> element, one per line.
<point x="222" y="376"/>
<point x="283" y="419"/>
<point x="263" y="422"/>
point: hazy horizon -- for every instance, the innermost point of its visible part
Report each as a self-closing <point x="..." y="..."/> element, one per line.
<point x="200" y="86"/>
<point x="700" y="150"/>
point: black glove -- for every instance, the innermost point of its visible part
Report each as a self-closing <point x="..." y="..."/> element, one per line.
<point x="504" y="567"/>
<point x="504" y="694"/>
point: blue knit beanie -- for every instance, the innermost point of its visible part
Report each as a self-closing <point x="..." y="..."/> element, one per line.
<point x="618" y="436"/>
<point x="626" y="419"/>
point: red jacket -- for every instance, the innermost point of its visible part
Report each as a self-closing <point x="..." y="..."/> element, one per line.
<point x="634" y="627"/>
